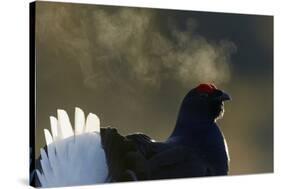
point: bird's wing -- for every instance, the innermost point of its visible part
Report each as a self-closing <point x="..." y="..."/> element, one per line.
<point x="116" y="149"/>
<point x="166" y="160"/>
<point x="146" y="145"/>
<point x="177" y="162"/>
<point x="169" y="156"/>
<point x="157" y="160"/>
<point x="72" y="159"/>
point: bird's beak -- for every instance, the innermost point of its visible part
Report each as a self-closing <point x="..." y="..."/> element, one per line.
<point x="223" y="97"/>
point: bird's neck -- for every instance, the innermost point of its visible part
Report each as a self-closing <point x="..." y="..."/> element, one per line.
<point x="189" y="125"/>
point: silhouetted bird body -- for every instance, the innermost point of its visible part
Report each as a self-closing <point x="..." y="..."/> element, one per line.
<point x="196" y="147"/>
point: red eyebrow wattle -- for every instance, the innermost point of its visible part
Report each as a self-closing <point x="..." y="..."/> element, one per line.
<point x="206" y="88"/>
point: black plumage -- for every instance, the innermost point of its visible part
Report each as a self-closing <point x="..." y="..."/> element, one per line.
<point x="195" y="148"/>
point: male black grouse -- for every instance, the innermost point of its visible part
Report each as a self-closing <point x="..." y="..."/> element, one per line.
<point x="91" y="154"/>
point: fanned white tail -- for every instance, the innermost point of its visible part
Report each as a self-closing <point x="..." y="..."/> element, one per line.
<point x="73" y="158"/>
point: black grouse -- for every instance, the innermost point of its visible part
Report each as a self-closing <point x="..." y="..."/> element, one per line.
<point x="195" y="148"/>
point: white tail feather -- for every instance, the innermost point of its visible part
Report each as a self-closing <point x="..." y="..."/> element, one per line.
<point x="92" y="123"/>
<point x="73" y="159"/>
<point x="64" y="124"/>
<point x="48" y="137"/>
<point x="79" y="121"/>
<point x="54" y="127"/>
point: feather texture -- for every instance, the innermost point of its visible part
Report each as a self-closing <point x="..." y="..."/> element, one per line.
<point x="64" y="124"/>
<point x="73" y="159"/>
<point x="79" y="121"/>
<point x="92" y="123"/>
<point x="54" y="127"/>
<point x="48" y="137"/>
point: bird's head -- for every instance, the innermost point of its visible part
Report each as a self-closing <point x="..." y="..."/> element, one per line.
<point x="205" y="101"/>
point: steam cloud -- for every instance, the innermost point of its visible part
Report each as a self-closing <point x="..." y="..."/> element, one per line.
<point x="129" y="45"/>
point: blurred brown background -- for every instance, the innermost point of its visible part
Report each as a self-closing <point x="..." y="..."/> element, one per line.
<point x="132" y="67"/>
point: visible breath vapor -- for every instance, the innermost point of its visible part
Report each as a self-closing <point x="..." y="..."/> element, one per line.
<point x="128" y="45"/>
<point x="132" y="67"/>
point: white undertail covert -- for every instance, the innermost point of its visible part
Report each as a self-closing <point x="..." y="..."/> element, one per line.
<point x="73" y="157"/>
